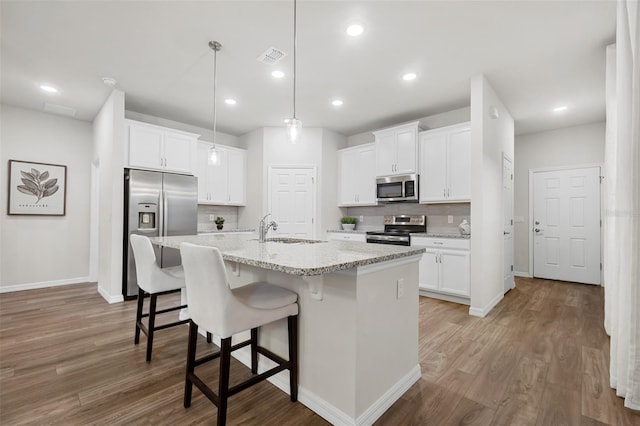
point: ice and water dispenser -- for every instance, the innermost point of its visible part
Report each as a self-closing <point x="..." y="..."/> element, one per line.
<point x="147" y="216"/>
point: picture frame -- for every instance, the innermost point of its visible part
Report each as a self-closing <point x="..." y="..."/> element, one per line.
<point x="37" y="189"/>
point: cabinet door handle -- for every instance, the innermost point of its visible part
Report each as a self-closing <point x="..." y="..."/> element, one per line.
<point x="444" y="192"/>
<point x="448" y="192"/>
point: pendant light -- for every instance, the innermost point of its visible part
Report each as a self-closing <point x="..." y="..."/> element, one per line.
<point x="214" y="155"/>
<point x="294" y="126"/>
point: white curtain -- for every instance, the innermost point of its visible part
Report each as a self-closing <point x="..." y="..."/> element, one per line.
<point x="622" y="205"/>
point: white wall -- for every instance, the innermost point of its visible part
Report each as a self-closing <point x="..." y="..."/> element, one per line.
<point x="46" y="250"/>
<point x="578" y="145"/>
<point x="448" y="118"/>
<point x="108" y="155"/>
<point x="330" y="214"/>
<point x="205" y="134"/>
<point x="249" y="215"/>
<point x="490" y="138"/>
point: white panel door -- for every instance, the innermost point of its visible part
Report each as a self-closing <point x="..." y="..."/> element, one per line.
<point x="433" y="167"/>
<point x="145" y="147"/>
<point x="405" y="152"/>
<point x="292" y="201"/>
<point x="507" y="222"/>
<point x="459" y="162"/>
<point x="428" y="270"/>
<point x="454" y="272"/>
<point x="566" y="234"/>
<point x="203" y="172"/>
<point x="385" y="153"/>
<point x="220" y="178"/>
<point x="177" y="152"/>
<point x="366" y="175"/>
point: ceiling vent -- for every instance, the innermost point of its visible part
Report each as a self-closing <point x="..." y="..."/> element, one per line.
<point x="59" y="109"/>
<point x="271" y="56"/>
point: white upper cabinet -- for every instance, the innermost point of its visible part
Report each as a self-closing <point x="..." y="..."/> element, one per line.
<point x="445" y="164"/>
<point x="160" y="148"/>
<point x="357" y="179"/>
<point x="397" y="150"/>
<point x="223" y="183"/>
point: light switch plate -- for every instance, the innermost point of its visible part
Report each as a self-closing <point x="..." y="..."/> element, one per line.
<point x="212" y="217"/>
<point x="400" y="288"/>
<point x="449" y="219"/>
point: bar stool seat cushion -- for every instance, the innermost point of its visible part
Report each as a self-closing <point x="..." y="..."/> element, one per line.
<point x="263" y="295"/>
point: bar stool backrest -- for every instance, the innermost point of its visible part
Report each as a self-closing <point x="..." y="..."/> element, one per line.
<point x="211" y="302"/>
<point x="146" y="264"/>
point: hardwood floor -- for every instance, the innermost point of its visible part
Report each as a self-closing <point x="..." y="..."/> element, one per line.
<point x="539" y="358"/>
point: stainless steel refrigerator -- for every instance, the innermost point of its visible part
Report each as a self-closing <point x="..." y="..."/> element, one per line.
<point x="156" y="204"/>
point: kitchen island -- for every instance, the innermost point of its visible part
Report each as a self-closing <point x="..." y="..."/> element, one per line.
<point x="358" y="321"/>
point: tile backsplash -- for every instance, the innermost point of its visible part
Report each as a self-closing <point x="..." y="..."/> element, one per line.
<point x="229" y="213"/>
<point x="437" y="215"/>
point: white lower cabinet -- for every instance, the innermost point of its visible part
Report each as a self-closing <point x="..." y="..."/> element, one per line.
<point x="347" y="236"/>
<point x="444" y="267"/>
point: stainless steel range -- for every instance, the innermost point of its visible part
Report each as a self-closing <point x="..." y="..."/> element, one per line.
<point x="397" y="230"/>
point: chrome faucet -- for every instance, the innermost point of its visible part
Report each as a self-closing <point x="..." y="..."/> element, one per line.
<point x="263" y="227"/>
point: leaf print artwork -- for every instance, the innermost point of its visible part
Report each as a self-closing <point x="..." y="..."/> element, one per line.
<point x="38" y="184"/>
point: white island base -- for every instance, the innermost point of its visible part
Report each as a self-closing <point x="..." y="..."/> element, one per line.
<point x="358" y="344"/>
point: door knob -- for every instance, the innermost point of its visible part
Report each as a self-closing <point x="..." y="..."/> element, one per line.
<point x="537" y="222"/>
<point x="537" y="230"/>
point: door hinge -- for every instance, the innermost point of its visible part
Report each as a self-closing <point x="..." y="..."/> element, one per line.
<point x="601" y="266"/>
<point x="511" y="222"/>
<point x="511" y="176"/>
<point x="313" y="180"/>
<point x="600" y="223"/>
<point x="312" y="220"/>
<point x="511" y="268"/>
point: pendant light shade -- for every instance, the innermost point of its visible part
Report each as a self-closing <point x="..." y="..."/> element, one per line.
<point x="214" y="155"/>
<point x="294" y="126"/>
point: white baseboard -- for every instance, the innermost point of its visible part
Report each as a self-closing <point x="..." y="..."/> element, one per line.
<point x="522" y="274"/>
<point x="482" y="312"/>
<point x="442" y="296"/>
<point x="324" y="409"/>
<point x="383" y="403"/>
<point x="43" y="284"/>
<point x="109" y="298"/>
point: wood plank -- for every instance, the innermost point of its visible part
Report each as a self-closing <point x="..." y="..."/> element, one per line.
<point x="67" y="357"/>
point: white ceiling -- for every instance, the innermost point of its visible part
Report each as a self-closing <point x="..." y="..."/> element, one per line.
<point x="536" y="54"/>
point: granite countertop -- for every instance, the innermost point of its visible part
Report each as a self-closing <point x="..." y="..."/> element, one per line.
<point x="347" y="231"/>
<point x="439" y="235"/>
<point x="297" y="259"/>
<point x="222" y="231"/>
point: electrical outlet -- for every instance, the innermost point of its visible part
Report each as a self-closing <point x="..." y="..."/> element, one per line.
<point x="400" y="288"/>
<point x="449" y="219"/>
<point x="361" y="219"/>
<point x="212" y="217"/>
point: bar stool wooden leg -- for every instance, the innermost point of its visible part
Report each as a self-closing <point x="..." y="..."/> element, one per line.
<point x="254" y="351"/>
<point x="191" y="361"/>
<point x="139" y="315"/>
<point x="152" y="324"/>
<point x="292" y="322"/>
<point x="223" y="389"/>
<point x="209" y="337"/>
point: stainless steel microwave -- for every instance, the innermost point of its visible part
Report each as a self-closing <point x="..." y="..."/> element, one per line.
<point x="397" y="188"/>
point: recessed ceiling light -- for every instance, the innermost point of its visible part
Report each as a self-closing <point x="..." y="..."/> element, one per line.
<point x="560" y="108"/>
<point x="355" y="30"/>
<point x="337" y="102"/>
<point x="277" y="74"/>
<point x="48" y="88"/>
<point x="409" y="76"/>
<point x="230" y="101"/>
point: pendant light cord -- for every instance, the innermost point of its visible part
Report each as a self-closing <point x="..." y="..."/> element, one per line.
<point x="215" y="46"/>
<point x="295" y="47"/>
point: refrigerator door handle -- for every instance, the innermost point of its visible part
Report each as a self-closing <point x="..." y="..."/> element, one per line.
<point x="165" y="214"/>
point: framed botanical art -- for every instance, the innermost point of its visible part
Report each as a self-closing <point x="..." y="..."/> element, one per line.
<point x="37" y="188"/>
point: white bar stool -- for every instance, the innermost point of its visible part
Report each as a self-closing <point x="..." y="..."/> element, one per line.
<point x="225" y="312"/>
<point x="153" y="281"/>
